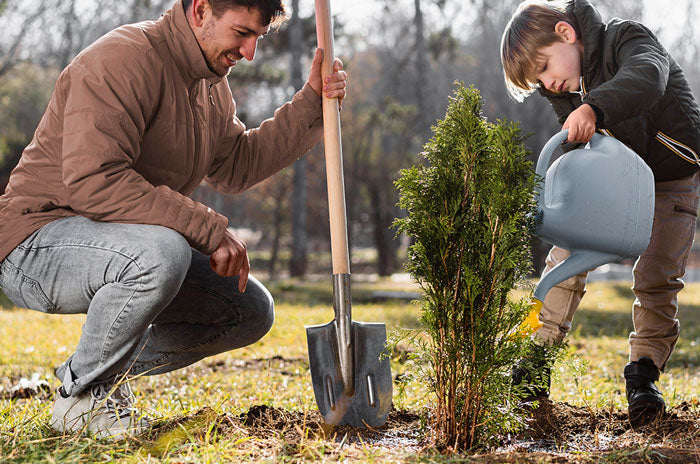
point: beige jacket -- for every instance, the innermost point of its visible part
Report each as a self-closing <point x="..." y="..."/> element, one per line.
<point x="135" y="123"/>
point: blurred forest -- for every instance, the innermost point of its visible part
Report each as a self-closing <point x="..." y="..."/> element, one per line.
<point x="402" y="64"/>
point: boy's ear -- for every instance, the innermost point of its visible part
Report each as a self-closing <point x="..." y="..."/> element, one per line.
<point x="566" y="31"/>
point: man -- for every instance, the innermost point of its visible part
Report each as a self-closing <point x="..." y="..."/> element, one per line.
<point x="97" y="217"/>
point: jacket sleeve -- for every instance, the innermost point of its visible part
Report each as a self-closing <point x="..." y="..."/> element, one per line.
<point x="563" y="105"/>
<point x="248" y="156"/>
<point x="105" y="117"/>
<point x="640" y="80"/>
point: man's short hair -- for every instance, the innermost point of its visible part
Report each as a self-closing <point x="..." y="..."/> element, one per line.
<point x="273" y="12"/>
<point x="530" y="30"/>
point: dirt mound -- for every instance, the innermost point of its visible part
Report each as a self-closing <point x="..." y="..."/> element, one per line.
<point x="293" y="366"/>
<point x="587" y="429"/>
<point x="25" y="387"/>
<point x="402" y="427"/>
<point x="263" y="418"/>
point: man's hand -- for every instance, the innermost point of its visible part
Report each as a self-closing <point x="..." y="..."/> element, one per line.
<point x="231" y="258"/>
<point x="334" y="86"/>
<point x="581" y="124"/>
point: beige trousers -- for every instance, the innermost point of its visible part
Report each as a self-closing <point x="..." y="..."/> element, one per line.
<point x="657" y="277"/>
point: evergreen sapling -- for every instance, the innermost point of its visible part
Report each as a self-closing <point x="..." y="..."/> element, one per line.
<point x="468" y="208"/>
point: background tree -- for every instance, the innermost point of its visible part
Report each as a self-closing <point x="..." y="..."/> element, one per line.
<point x="403" y="57"/>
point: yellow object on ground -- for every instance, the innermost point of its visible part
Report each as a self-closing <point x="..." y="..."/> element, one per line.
<point x="532" y="321"/>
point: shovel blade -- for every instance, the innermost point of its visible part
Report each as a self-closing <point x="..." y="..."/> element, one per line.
<point x="369" y="403"/>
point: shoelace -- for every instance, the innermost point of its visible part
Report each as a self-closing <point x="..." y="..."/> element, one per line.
<point x="119" y="402"/>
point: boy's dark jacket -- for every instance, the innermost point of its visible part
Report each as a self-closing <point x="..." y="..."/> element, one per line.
<point x="638" y="90"/>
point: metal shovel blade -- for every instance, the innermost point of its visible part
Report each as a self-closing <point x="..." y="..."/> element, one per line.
<point x="369" y="401"/>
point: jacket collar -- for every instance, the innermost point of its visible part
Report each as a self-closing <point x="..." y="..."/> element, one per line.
<point x="592" y="27"/>
<point x="184" y="48"/>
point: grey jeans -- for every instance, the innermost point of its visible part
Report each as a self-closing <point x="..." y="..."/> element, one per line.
<point x="153" y="304"/>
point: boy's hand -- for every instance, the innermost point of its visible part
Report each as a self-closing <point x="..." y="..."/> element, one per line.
<point x="335" y="84"/>
<point x="581" y="124"/>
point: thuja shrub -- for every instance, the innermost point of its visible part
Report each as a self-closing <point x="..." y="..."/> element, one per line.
<point x="467" y="210"/>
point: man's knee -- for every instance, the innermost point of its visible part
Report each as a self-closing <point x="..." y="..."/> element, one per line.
<point x="162" y="259"/>
<point x="261" y="310"/>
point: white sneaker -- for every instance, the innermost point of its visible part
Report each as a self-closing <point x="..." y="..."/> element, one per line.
<point x="104" y="410"/>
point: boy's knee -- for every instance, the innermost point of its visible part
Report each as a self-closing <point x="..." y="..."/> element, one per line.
<point x="656" y="276"/>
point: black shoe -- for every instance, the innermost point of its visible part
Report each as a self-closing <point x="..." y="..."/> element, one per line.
<point x="533" y="376"/>
<point x="643" y="397"/>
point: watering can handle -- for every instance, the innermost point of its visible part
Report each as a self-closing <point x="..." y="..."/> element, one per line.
<point x="547" y="152"/>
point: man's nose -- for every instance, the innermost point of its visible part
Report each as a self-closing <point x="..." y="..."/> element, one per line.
<point x="249" y="47"/>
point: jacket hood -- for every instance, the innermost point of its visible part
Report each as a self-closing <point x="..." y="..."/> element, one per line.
<point x="591" y="25"/>
<point x="184" y="47"/>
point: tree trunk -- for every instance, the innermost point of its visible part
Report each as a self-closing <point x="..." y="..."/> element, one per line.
<point x="421" y="58"/>
<point x="279" y="201"/>
<point x="299" y="260"/>
<point x="383" y="237"/>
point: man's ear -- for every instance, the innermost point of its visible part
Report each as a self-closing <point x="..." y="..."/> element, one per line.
<point x="566" y="31"/>
<point x="200" y="9"/>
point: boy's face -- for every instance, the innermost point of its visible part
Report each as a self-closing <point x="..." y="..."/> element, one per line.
<point x="559" y="64"/>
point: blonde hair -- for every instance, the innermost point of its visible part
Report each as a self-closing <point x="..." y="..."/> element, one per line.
<point x="530" y="30"/>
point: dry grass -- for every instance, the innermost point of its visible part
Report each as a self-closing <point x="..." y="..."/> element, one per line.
<point x="257" y="405"/>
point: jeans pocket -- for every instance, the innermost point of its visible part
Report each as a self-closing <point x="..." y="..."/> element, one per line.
<point x="23" y="291"/>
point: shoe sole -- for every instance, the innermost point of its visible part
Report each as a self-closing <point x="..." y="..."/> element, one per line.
<point x="644" y="412"/>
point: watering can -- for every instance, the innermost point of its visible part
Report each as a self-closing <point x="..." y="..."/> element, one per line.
<point x="597" y="202"/>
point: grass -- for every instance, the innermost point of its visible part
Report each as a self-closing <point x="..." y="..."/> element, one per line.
<point x="203" y="409"/>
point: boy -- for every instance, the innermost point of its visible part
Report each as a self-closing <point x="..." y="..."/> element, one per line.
<point x="618" y="79"/>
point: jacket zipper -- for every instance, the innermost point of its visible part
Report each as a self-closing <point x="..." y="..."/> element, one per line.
<point x="192" y="98"/>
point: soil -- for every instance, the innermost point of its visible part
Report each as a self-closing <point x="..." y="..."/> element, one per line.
<point x="556" y="432"/>
<point x="401" y="429"/>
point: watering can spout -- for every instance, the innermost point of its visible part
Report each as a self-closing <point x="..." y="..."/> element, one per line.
<point x="579" y="261"/>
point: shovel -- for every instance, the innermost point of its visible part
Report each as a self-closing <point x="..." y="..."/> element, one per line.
<point x="351" y="379"/>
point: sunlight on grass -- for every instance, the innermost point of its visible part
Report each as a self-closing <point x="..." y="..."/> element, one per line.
<point x="274" y="372"/>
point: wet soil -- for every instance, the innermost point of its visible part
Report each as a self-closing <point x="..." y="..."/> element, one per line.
<point x="586" y="427"/>
<point x="556" y="432"/>
<point x="565" y="433"/>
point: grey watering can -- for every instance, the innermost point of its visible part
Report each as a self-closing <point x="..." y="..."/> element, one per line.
<point x="597" y="202"/>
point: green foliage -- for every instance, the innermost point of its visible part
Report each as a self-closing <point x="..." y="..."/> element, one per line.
<point x="467" y="215"/>
<point x="24" y="93"/>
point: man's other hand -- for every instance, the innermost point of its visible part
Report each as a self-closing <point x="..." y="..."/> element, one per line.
<point x="231" y="258"/>
<point x="335" y="84"/>
<point x="581" y="124"/>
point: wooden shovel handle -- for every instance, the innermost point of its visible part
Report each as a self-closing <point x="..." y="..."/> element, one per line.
<point x="333" y="149"/>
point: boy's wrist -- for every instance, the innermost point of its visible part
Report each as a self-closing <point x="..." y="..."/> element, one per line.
<point x="598" y="114"/>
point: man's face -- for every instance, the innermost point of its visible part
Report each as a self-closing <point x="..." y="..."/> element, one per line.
<point x="559" y="64"/>
<point x="229" y="38"/>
